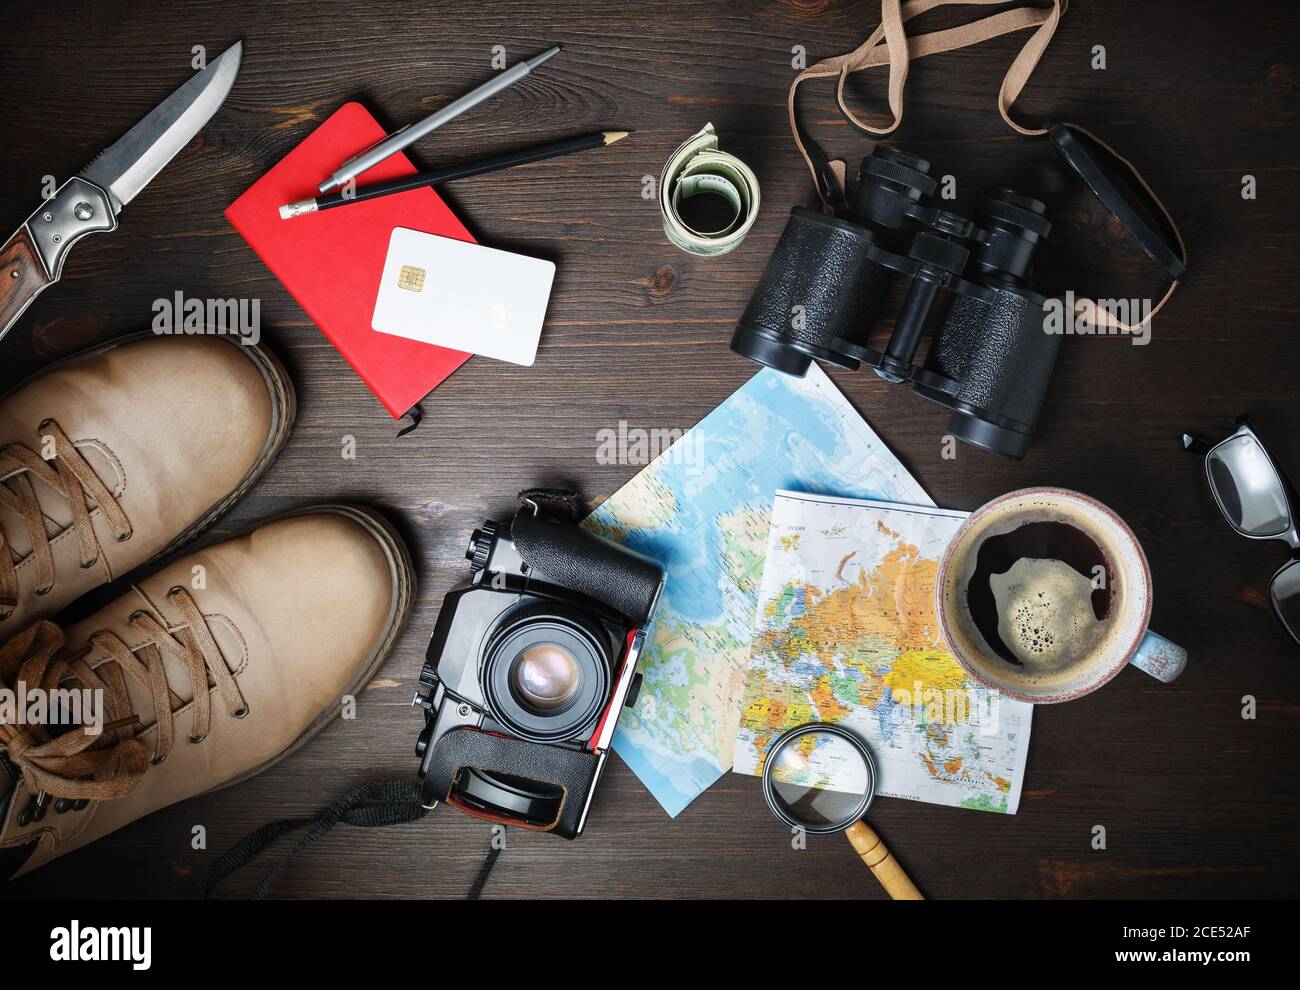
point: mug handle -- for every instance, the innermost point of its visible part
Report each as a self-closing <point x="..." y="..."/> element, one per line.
<point x="1159" y="657"/>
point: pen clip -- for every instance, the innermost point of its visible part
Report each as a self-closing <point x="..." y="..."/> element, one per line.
<point x="365" y="151"/>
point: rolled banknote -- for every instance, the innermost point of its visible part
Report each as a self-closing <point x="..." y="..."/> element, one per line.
<point x="698" y="168"/>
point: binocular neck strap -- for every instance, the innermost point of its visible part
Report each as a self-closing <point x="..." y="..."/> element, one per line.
<point x="889" y="44"/>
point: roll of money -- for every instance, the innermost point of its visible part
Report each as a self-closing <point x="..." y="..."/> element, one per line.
<point x="697" y="168"/>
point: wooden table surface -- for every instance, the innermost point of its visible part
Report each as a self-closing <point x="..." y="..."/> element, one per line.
<point x="1195" y="799"/>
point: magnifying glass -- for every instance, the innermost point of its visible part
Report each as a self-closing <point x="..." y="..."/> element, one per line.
<point x="821" y="779"/>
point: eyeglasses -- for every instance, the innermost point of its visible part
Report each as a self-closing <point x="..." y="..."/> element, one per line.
<point x="1259" y="502"/>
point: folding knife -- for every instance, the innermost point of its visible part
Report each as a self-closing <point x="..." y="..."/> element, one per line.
<point x="32" y="260"/>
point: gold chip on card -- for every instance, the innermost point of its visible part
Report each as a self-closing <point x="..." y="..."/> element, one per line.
<point x="411" y="278"/>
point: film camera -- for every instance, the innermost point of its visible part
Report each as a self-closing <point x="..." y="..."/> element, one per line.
<point x="990" y="360"/>
<point x="530" y="664"/>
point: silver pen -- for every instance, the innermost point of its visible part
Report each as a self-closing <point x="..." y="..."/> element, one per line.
<point x="404" y="136"/>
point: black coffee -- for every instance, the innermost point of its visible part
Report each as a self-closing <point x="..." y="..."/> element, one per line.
<point x="1034" y="541"/>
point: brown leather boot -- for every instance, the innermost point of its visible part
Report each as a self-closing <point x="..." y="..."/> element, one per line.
<point x="124" y="452"/>
<point x="212" y="670"/>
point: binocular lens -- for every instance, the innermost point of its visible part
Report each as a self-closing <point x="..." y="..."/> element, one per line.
<point x="890" y="181"/>
<point x="1013" y="226"/>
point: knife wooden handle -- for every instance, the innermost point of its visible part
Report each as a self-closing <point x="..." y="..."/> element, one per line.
<point x="22" y="277"/>
<point x="882" y="863"/>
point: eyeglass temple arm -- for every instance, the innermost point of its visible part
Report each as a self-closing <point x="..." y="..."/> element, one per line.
<point x="1195" y="444"/>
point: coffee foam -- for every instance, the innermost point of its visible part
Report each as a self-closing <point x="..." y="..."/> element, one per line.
<point x="1059" y="670"/>
<point x="1045" y="614"/>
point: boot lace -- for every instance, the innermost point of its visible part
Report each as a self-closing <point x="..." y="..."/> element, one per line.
<point x="73" y="478"/>
<point x="77" y="765"/>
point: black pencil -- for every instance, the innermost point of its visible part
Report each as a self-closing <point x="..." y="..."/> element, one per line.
<point x="540" y="153"/>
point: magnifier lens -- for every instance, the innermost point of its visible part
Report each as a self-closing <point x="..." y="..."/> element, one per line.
<point x="819" y="780"/>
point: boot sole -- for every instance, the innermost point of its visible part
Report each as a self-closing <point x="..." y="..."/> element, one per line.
<point x="284" y="409"/>
<point x="403" y="573"/>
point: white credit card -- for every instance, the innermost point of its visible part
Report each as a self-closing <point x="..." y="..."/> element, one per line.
<point x="463" y="296"/>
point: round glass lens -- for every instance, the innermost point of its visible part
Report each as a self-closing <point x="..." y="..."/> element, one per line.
<point x="546" y="676"/>
<point x="819" y="779"/>
<point x="1285" y="591"/>
<point x="1248" y="487"/>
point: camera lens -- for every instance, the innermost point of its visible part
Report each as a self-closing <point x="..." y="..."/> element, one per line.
<point x="546" y="676"/>
<point x="545" y="672"/>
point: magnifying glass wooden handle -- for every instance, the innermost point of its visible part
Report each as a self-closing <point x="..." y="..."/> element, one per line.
<point x="882" y="863"/>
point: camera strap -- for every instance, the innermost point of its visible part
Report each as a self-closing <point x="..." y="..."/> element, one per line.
<point x="1094" y="160"/>
<point x="553" y="501"/>
<point x="377" y="804"/>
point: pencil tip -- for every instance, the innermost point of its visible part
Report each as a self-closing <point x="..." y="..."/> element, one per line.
<point x="612" y="136"/>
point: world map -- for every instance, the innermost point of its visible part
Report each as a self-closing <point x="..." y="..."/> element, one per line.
<point x="846" y="633"/>
<point x="702" y="509"/>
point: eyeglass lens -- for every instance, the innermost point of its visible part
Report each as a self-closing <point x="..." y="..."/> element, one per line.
<point x="1285" y="592"/>
<point x="1248" y="487"/>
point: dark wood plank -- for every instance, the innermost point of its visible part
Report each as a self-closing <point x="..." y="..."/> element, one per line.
<point x="1196" y="801"/>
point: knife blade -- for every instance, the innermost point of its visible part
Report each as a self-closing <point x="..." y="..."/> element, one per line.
<point x="32" y="259"/>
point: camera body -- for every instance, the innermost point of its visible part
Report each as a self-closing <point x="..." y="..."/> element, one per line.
<point x="824" y="287"/>
<point x="530" y="664"/>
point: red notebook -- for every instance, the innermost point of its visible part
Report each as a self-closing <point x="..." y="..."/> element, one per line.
<point x="331" y="262"/>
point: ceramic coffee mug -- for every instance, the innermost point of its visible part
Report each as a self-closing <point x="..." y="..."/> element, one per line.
<point x="1045" y="594"/>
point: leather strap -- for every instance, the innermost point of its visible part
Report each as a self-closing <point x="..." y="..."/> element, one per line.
<point x="539" y="499"/>
<point x="889" y="44"/>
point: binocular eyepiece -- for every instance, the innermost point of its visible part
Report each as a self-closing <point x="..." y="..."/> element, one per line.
<point x="822" y="292"/>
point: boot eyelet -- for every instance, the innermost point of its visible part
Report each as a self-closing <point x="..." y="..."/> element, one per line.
<point x="134" y="615"/>
<point x="47" y="421"/>
<point x="64" y="805"/>
<point x="125" y="536"/>
<point x="240" y="712"/>
<point x="171" y="592"/>
<point x="41" y="592"/>
<point x="36" y="808"/>
<point x="198" y="739"/>
<point x="155" y="760"/>
<point x="26" y="815"/>
<point x="88" y="566"/>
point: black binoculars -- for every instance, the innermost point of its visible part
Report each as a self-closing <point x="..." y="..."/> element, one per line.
<point x="990" y="360"/>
